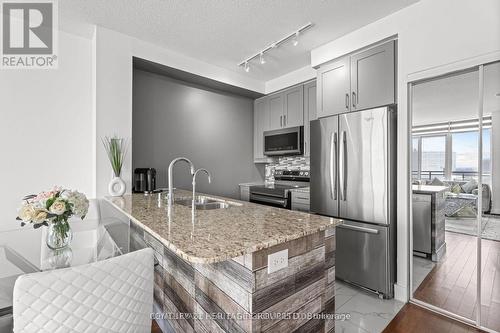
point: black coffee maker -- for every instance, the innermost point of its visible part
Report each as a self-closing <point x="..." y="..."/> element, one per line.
<point x="144" y="180"/>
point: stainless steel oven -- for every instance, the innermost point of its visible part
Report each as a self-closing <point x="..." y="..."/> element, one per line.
<point x="286" y="141"/>
<point x="278" y="194"/>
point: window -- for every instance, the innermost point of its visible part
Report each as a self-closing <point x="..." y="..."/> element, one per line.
<point x="414" y="158"/>
<point x="487" y="156"/>
<point x="464" y="155"/>
<point x="451" y="156"/>
<point x="433" y="157"/>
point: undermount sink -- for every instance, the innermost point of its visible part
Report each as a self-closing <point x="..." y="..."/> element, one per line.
<point x="202" y="203"/>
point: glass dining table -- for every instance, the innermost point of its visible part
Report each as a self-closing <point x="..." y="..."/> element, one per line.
<point x="24" y="251"/>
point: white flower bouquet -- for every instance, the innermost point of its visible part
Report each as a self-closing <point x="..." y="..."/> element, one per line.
<point x="53" y="209"/>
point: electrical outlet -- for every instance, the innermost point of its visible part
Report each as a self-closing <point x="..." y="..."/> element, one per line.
<point x="277" y="261"/>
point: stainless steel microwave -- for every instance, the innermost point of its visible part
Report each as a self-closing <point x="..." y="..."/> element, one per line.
<point x="286" y="141"/>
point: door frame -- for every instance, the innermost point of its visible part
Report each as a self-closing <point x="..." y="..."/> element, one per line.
<point x="478" y="64"/>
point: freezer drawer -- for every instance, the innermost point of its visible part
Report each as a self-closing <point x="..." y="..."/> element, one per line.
<point x="362" y="256"/>
<point x="422" y="223"/>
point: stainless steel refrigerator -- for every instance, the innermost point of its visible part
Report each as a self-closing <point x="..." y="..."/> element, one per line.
<point x="353" y="177"/>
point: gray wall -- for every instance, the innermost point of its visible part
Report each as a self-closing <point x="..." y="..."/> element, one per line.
<point x="214" y="129"/>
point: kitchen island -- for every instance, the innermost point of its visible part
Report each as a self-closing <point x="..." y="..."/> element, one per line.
<point x="429" y="221"/>
<point x="212" y="274"/>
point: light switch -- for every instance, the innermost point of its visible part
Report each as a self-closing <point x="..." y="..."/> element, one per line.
<point x="277" y="261"/>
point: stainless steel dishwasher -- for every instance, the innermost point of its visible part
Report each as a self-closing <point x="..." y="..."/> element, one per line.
<point x="422" y="223"/>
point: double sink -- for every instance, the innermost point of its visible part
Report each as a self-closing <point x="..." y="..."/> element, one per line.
<point x="202" y="202"/>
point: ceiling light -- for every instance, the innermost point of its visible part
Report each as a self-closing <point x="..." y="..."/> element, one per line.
<point x="295" y="41"/>
<point x="294" y="37"/>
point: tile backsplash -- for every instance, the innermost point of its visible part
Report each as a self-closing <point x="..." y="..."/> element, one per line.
<point x="286" y="163"/>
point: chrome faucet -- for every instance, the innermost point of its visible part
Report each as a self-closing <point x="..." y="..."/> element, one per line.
<point x="171" y="181"/>
<point x="194" y="181"/>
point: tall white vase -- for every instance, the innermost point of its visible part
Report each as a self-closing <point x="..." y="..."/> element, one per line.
<point x="116" y="187"/>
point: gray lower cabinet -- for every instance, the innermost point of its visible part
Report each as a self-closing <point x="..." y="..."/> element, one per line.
<point x="372" y="77"/>
<point x="245" y="192"/>
<point x="300" y="200"/>
<point x="333" y="82"/>
<point x="309" y="113"/>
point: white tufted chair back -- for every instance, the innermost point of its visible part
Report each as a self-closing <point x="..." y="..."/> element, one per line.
<point x="113" y="295"/>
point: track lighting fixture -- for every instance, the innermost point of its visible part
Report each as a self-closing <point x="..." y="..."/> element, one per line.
<point x="295" y="41"/>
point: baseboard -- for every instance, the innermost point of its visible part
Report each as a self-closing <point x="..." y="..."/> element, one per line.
<point x="401" y="293"/>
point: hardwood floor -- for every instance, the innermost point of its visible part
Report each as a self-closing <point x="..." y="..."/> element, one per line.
<point x="154" y="327"/>
<point x="414" y="319"/>
<point x="451" y="284"/>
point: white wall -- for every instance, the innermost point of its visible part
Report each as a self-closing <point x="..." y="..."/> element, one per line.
<point x="298" y="76"/>
<point x="431" y="34"/>
<point x="46" y="127"/>
<point x="113" y="102"/>
<point x="113" y="53"/>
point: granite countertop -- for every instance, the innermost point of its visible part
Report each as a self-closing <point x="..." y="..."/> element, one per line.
<point x="429" y="189"/>
<point x="219" y="234"/>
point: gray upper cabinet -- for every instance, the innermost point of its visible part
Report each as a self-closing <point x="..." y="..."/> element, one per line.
<point x="333" y="88"/>
<point x="286" y="108"/>
<point x="309" y="113"/>
<point x="260" y="124"/>
<point x="372" y="77"/>
<point x="361" y="81"/>
<point x="276" y="109"/>
<point x="294" y="107"/>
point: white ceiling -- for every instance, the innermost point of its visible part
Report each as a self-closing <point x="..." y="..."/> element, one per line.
<point x="225" y="32"/>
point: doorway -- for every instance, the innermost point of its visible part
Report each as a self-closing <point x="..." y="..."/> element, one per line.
<point x="455" y="194"/>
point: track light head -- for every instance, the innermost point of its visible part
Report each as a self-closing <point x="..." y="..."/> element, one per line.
<point x="295" y="41"/>
<point x="261" y="58"/>
<point x="247" y="67"/>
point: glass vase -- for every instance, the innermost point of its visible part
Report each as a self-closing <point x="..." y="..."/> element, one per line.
<point x="59" y="235"/>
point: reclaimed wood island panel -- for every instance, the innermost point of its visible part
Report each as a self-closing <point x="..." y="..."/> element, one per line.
<point x="234" y="292"/>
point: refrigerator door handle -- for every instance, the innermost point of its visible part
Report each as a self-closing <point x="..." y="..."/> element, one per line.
<point x="335" y="151"/>
<point x="331" y="165"/>
<point x="361" y="229"/>
<point x="341" y="173"/>
<point x="344" y="165"/>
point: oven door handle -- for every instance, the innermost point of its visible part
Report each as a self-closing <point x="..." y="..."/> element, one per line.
<point x="261" y="198"/>
<point x="266" y="194"/>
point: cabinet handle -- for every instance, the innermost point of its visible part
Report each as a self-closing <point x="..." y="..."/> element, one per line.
<point x="353" y="99"/>
<point x="281" y="121"/>
<point x="347" y="100"/>
<point x="284" y="120"/>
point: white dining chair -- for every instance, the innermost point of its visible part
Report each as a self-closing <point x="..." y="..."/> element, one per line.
<point x="113" y="295"/>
